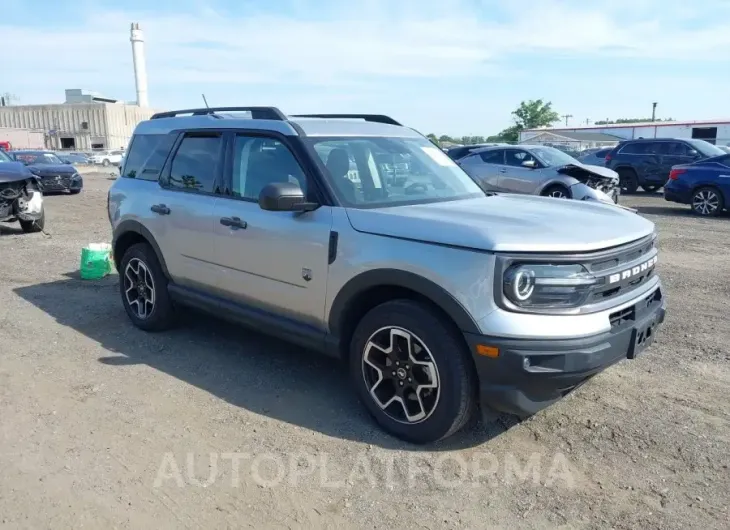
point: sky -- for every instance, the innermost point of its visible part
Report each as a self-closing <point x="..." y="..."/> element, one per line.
<point x="457" y="67"/>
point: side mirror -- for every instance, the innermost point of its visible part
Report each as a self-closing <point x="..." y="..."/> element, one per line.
<point x="284" y="197"/>
<point x="67" y="162"/>
<point x="694" y="153"/>
<point x="531" y="164"/>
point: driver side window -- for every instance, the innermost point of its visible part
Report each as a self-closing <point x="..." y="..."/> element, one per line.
<point x="516" y="157"/>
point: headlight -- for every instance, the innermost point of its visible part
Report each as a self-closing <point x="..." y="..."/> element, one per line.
<point x="543" y="286"/>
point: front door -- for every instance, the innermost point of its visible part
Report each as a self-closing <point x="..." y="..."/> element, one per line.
<point x="517" y="178"/>
<point x="274" y="261"/>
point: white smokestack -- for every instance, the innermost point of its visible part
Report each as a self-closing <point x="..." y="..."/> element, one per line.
<point x="140" y="68"/>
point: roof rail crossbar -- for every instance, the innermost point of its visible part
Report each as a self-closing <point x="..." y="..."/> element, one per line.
<point x="257" y="113"/>
<point x="377" y="118"/>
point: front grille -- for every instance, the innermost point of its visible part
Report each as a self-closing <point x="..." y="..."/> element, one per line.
<point x="631" y="313"/>
<point x="622" y="270"/>
<point x="56" y="182"/>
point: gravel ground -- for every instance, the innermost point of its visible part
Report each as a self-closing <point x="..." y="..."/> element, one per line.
<point x="211" y="426"/>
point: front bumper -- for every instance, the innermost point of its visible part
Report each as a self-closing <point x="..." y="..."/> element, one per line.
<point x="531" y="374"/>
<point x="57" y="183"/>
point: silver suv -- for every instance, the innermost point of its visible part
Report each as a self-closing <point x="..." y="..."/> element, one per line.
<point x="356" y="236"/>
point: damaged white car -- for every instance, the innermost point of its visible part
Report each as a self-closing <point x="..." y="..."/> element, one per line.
<point x="540" y="170"/>
<point x="20" y="196"/>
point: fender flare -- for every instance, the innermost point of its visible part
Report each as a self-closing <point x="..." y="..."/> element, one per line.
<point x="383" y="277"/>
<point x="130" y="225"/>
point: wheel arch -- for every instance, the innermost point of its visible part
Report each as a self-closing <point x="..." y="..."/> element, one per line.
<point x="129" y="233"/>
<point x="372" y="288"/>
<point x="556" y="181"/>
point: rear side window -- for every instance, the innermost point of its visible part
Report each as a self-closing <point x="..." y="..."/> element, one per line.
<point x="147" y="155"/>
<point x="637" y="148"/>
<point x="493" y="157"/>
<point x="195" y="164"/>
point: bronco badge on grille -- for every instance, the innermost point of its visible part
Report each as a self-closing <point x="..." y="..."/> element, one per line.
<point x="628" y="273"/>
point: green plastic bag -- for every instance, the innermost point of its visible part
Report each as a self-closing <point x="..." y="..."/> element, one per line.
<point x="96" y="261"/>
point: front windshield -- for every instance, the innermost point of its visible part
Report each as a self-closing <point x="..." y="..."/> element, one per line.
<point x="369" y="172"/>
<point x="552" y="157"/>
<point x="39" y="158"/>
<point x="706" y="148"/>
<point x="4" y="157"/>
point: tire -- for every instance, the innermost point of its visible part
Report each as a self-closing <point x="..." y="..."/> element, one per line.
<point x="444" y="409"/>
<point x="707" y="202"/>
<point x="140" y="263"/>
<point x="628" y="179"/>
<point x="105" y="162"/>
<point x="75" y="192"/>
<point x="32" y="227"/>
<point x="557" y="191"/>
<point x="650" y="188"/>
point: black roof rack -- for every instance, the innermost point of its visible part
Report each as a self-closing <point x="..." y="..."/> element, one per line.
<point x="257" y="113"/>
<point x="378" y="118"/>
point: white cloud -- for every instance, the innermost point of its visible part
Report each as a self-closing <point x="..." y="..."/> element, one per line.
<point x="350" y="51"/>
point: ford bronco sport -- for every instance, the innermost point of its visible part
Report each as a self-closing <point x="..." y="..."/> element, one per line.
<point x="439" y="296"/>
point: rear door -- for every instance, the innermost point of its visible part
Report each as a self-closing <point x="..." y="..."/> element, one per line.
<point x="515" y="177"/>
<point x="182" y="210"/>
<point x="485" y="168"/>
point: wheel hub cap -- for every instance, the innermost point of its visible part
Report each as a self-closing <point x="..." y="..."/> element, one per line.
<point x="706" y="202"/>
<point x="401" y="375"/>
<point x="139" y="288"/>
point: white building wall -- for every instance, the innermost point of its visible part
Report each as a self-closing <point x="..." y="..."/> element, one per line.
<point x="644" y="131"/>
<point x="106" y="124"/>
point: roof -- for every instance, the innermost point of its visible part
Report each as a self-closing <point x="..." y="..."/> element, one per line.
<point x="290" y="126"/>
<point x="582" y="136"/>
<point x="632" y="125"/>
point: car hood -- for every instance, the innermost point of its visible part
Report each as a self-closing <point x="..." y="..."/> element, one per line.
<point x="576" y="170"/>
<point x="508" y="223"/>
<point x="52" y="169"/>
<point x="14" y="172"/>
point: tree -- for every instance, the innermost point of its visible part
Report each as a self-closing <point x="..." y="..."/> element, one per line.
<point x="433" y="138"/>
<point x="535" y="113"/>
<point x="608" y="121"/>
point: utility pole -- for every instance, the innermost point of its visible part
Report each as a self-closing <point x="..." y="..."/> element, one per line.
<point x="567" y="116"/>
<point x="588" y="121"/>
<point x="653" y="111"/>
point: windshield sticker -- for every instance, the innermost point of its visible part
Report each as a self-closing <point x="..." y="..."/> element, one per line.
<point x="438" y="156"/>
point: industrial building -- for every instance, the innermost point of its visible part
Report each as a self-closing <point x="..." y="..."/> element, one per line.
<point x="85" y="120"/>
<point x="713" y="131"/>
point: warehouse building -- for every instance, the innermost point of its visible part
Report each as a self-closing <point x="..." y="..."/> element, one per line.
<point x="713" y="131"/>
<point x="84" y="121"/>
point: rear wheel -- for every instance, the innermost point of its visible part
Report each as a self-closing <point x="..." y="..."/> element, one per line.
<point x="412" y="371"/>
<point x="707" y="202"/>
<point x="628" y="180"/>
<point x="556" y="191"/>
<point x="143" y="287"/>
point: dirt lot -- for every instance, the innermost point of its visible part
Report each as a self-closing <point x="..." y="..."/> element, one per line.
<point x="209" y="426"/>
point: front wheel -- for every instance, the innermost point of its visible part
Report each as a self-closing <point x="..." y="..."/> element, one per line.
<point x="31" y="227"/>
<point x="105" y="163"/>
<point x="412" y="372"/>
<point x="143" y="287"/>
<point x="707" y="202"/>
<point x="557" y="192"/>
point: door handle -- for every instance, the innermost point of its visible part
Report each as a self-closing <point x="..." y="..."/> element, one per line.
<point x="503" y="170"/>
<point x="160" y="209"/>
<point x="233" y="222"/>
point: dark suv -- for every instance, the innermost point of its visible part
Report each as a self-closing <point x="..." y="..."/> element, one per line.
<point x="647" y="162"/>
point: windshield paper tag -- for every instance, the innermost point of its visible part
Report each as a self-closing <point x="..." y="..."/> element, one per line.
<point x="438" y="156"/>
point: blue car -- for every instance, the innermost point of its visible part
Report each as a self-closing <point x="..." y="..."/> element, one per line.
<point x="704" y="185"/>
